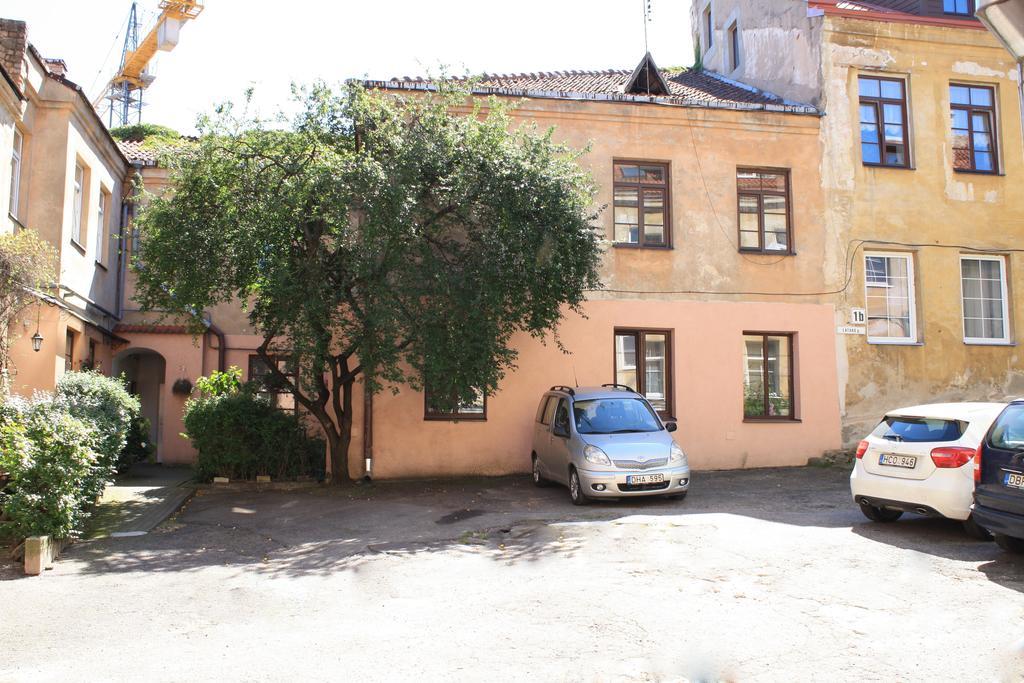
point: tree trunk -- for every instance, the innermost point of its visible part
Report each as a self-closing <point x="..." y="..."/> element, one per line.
<point x="339" y="444"/>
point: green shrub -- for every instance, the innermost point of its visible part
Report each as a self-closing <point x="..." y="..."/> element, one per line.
<point x="140" y="132"/>
<point x="103" y="402"/>
<point x="51" y="459"/>
<point x="239" y="435"/>
<point x="138" y="447"/>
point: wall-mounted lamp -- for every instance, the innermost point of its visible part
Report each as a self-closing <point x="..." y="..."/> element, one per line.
<point x="37" y="339"/>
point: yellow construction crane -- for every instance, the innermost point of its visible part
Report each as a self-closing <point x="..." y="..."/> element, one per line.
<point x="124" y="91"/>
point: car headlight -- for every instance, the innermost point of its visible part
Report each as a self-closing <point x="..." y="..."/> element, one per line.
<point x="676" y="454"/>
<point x="596" y="455"/>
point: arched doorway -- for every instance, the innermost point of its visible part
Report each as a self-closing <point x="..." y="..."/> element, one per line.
<point x="144" y="371"/>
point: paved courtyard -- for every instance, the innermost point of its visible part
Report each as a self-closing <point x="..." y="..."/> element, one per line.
<point x="758" y="575"/>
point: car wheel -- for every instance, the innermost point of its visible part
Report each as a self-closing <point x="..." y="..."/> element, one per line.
<point x="877" y="514"/>
<point x="1009" y="543"/>
<point x="975" y="530"/>
<point x="538" y="480"/>
<point x="576" y="489"/>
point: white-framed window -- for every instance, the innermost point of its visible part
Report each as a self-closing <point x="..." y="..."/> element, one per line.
<point x="16" y="152"/>
<point x="889" y="298"/>
<point x="79" y="199"/>
<point x="985" y="301"/>
<point x="100" y="239"/>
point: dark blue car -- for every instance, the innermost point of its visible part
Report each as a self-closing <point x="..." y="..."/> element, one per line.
<point x="999" y="477"/>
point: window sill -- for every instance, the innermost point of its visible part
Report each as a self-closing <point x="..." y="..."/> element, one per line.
<point x="452" y="418"/>
<point x="628" y="245"/>
<point x="772" y="420"/>
<point x="894" y="167"/>
<point x="101" y="265"/>
<point x="969" y="171"/>
<point x="985" y="342"/>
<point x="766" y="252"/>
<point x="881" y="342"/>
<point x="78" y="246"/>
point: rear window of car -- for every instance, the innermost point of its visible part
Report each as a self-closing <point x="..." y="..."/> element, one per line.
<point x="919" y="429"/>
<point x="1008" y="431"/>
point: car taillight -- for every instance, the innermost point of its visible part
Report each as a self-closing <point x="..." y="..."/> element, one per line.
<point x="952" y="456"/>
<point x="862" y="448"/>
<point x="977" y="465"/>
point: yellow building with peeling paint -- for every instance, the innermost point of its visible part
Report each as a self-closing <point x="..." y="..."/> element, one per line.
<point x="921" y="161"/>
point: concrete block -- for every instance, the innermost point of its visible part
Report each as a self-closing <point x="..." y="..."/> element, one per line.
<point x="39" y="553"/>
<point x="220" y="480"/>
<point x="262" y="478"/>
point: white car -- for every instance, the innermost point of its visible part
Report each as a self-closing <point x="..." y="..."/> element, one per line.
<point x="921" y="459"/>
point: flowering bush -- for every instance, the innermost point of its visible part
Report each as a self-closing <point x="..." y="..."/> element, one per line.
<point x="59" y="451"/>
<point x="104" y="403"/>
<point x="51" y="459"/>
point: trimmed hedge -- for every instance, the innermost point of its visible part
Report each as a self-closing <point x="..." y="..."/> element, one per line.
<point x="239" y="435"/>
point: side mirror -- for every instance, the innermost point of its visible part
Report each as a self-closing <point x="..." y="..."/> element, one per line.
<point x="671" y="426"/>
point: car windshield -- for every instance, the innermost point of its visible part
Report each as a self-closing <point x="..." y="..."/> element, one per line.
<point x="918" y="429"/>
<point x="1008" y="431"/>
<point x="614" y="416"/>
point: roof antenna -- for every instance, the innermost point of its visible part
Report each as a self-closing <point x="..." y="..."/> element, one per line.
<point x="647" y="19"/>
<point x="574" y="377"/>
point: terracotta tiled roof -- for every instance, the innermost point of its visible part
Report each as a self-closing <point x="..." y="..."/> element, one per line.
<point x="148" y="153"/>
<point x="124" y="328"/>
<point x="687" y="87"/>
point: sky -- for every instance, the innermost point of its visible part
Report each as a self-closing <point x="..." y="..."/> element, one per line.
<point x="235" y="44"/>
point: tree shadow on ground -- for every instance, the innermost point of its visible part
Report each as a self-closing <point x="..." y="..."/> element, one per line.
<point x="506" y="520"/>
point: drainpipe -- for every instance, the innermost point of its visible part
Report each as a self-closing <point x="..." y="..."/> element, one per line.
<point x="222" y="345"/>
<point x="367" y="433"/>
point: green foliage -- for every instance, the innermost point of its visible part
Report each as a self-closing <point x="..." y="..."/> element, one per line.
<point x="51" y="458"/>
<point x="142" y="132"/>
<point x="26" y="265"/>
<point x="420" y="246"/>
<point x="138" y="446"/>
<point x="239" y="435"/>
<point x="220" y="383"/>
<point x="105" y="404"/>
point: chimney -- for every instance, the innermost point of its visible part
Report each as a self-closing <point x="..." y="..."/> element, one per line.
<point x="13" y="43"/>
<point x="57" y="66"/>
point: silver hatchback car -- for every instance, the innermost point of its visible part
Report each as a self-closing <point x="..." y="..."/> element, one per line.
<point x="606" y="442"/>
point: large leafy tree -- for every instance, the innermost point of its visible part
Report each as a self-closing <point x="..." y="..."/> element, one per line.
<point x="402" y="239"/>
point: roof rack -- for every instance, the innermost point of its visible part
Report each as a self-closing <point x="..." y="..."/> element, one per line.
<point x="562" y="387"/>
<point x="619" y="386"/>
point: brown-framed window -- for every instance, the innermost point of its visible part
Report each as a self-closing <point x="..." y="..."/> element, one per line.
<point x="768" y="376"/>
<point x="963" y="8"/>
<point x="883" y="122"/>
<point x="641" y="206"/>
<point x="643" y="362"/>
<point x="269" y="385"/>
<point x="69" y="351"/>
<point x="972" y="110"/>
<point x="475" y="410"/>
<point x="764" y="215"/>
